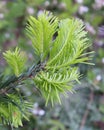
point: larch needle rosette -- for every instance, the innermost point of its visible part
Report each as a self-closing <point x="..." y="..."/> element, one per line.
<point x="59" y="53"/>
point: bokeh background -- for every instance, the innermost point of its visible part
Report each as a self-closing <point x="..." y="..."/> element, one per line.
<point x="83" y="110"/>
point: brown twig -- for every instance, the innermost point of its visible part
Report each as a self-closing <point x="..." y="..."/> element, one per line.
<point x="84" y="118"/>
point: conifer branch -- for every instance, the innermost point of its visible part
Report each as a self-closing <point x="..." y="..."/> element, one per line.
<point x="55" y="73"/>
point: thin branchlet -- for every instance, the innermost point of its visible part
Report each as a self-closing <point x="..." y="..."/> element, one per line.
<point x="14" y="80"/>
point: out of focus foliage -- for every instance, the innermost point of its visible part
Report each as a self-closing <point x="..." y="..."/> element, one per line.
<point x="89" y="99"/>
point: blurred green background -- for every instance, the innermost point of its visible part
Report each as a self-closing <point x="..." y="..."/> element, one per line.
<point x="83" y="110"/>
